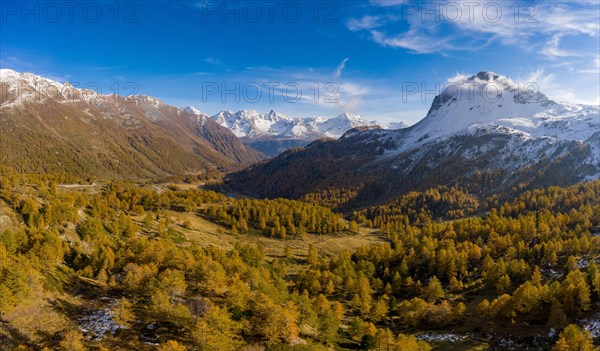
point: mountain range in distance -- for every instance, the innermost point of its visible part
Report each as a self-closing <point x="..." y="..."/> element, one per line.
<point x="273" y="133"/>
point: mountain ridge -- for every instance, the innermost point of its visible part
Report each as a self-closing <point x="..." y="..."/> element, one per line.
<point x="272" y="133"/>
<point x="474" y="143"/>
<point x="52" y="127"/>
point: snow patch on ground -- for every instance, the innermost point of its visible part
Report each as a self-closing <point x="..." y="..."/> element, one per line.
<point x="443" y="337"/>
<point x="592" y="325"/>
<point x="98" y="323"/>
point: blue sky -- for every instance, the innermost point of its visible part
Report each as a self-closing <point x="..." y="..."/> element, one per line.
<point x="303" y="57"/>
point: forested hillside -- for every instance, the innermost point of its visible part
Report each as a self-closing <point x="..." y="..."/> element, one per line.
<point x="117" y="265"/>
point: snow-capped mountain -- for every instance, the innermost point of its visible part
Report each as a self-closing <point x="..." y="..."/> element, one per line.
<point x="394" y="125"/>
<point x="337" y="126"/>
<point x="490" y="103"/>
<point x="485" y="132"/>
<point x="251" y="124"/>
<point x="272" y="133"/>
<point x="192" y="110"/>
<point x="490" y="100"/>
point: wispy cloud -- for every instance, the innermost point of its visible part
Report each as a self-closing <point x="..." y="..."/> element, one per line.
<point x="537" y="29"/>
<point x="213" y="61"/>
<point x="261" y="68"/>
<point x="414" y="41"/>
<point x="351" y="96"/>
<point x="340" y="68"/>
<point x="550" y="85"/>
<point x="319" y="89"/>
<point x="593" y="67"/>
<point x="387" y="3"/>
<point x="22" y="65"/>
<point x="101" y="68"/>
<point x="365" y="22"/>
<point x="553" y="49"/>
<point x="16" y="63"/>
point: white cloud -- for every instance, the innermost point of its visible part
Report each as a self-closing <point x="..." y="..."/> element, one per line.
<point x="340" y="68"/>
<point x="553" y="48"/>
<point x="16" y="63"/>
<point x="593" y="67"/>
<point x="412" y="40"/>
<point x="555" y="87"/>
<point x="353" y="89"/>
<point x="386" y="3"/>
<point x="320" y="89"/>
<point x="538" y="77"/>
<point x="351" y="96"/>
<point x="212" y="61"/>
<point x="467" y="26"/>
<point x="365" y="22"/>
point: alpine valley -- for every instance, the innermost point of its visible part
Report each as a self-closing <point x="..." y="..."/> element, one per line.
<point x="130" y="224"/>
<point x="300" y="175"/>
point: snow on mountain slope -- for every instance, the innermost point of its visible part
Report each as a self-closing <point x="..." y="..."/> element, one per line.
<point x="247" y="123"/>
<point x="273" y="133"/>
<point x="486" y="107"/>
<point x="395" y="125"/>
<point x="22" y="87"/>
<point x="17" y="80"/>
<point x="252" y="125"/>
<point x="27" y="87"/>
<point x="488" y="100"/>
<point x="192" y="110"/>
<point x="507" y="139"/>
<point x="337" y="126"/>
